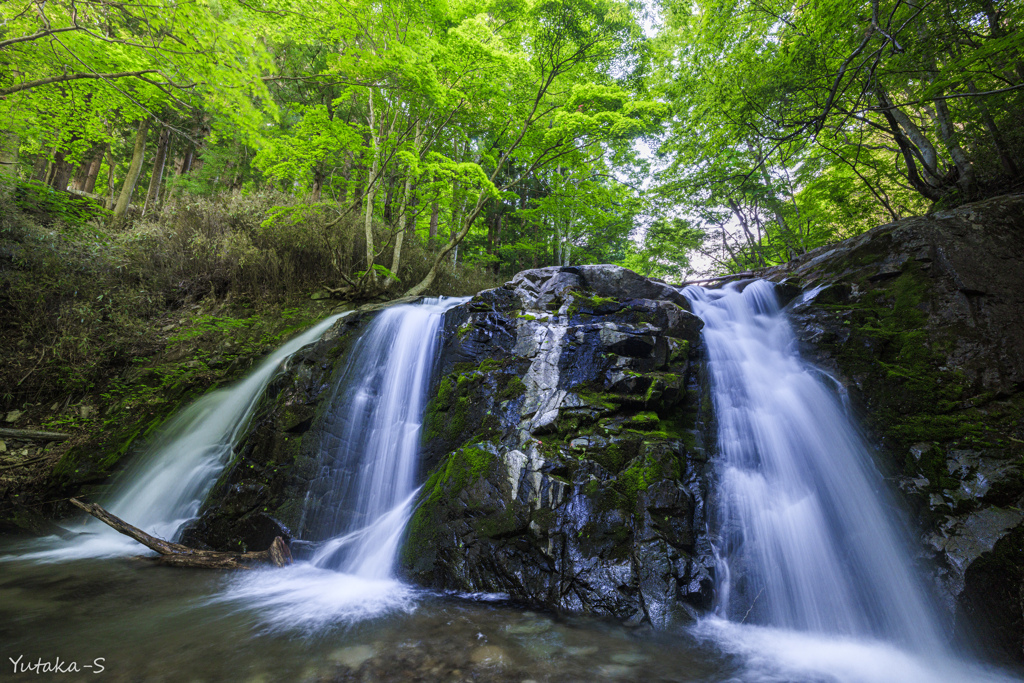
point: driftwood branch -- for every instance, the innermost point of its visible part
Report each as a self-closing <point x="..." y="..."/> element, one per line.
<point x="32" y="435"/>
<point x="178" y="555"/>
<point x="24" y="463"/>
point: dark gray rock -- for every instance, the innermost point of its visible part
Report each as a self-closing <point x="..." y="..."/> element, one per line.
<point x="565" y="464"/>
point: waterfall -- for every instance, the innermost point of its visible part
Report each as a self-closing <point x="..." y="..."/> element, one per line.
<point x="369" y="463"/>
<point x="361" y="500"/>
<point x="808" y="534"/>
<point x="167" y="483"/>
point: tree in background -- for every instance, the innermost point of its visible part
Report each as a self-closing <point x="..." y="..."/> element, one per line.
<point x="797" y="124"/>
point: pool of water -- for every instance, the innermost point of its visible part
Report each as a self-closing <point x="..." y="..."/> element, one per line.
<point x="123" y="619"/>
<point x="150" y="623"/>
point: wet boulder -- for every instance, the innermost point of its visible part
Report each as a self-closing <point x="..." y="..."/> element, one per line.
<point x="564" y="463"/>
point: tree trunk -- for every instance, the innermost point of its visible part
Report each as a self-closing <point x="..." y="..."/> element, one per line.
<point x="371" y="191"/>
<point x="179" y="555"/>
<point x="85" y="179"/>
<point x="1009" y="166"/>
<point x="184" y="165"/>
<point x="403" y="211"/>
<point x="153" y="194"/>
<point x="33" y="434"/>
<point x="9" y="145"/>
<point x="111" y="164"/>
<point x="948" y="134"/>
<point x="925" y="151"/>
<point x="134" y="171"/>
<point x="60" y="175"/>
<point x="910" y="158"/>
<point x="435" y="212"/>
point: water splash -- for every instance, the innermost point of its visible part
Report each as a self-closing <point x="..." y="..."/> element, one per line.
<point x="360" y="503"/>
<point x="167" y="484"/>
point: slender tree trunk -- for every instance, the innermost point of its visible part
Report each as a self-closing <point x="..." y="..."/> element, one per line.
<point x="926" y="153"/>
<point x="1009" y="166"/>
<point x="111" y="164"/>
<point x="9" y="146"/>
<point x="940" y="113"/>
<point x="403" y="213"/>
<point x="318" y="184"/>
<point x="371" y="191"/>
<point x="153" y="194"/>
<point x="907" y="151"/>
<point x="435" y="213"/>
<point x="497" y="242"/>
<point x="134" y="171"/>
<point x="403" y="218"/>
<point x="184" y="163"/>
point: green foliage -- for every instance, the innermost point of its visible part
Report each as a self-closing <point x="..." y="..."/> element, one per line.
<point x="795" y="127"/>
<point x="49" y="206"/>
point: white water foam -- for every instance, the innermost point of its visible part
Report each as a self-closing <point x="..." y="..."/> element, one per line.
<point x="772" y="655"/>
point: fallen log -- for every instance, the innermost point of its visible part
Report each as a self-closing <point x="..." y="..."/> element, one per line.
<point x="32" y="434"/>
<point x="178" y="555"/>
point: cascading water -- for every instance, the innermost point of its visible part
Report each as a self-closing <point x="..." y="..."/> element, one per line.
<point x="165" y="487"/>
<point x="362" y="496"/>
<point x="361" y="500"/>
<point x="809" y="543"/>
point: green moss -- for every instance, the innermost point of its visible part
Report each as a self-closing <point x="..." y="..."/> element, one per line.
<point x="679" y="350"/>
<point x="461" y="468"/>
<point x="514" y="388"/>
<point x="497" y="525"/>
<point x="583" y="304"/>
<point x="595" y="396"/>
<point x="489" y="365"/>
<point x="636" y="478"/>
<point x="645" y="421"/>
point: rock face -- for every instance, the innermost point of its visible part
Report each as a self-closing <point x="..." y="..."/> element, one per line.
<point x="566" y="468"/>
<point x="923" y="319"/>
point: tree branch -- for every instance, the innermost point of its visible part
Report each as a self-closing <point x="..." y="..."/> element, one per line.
<point x="30" y="85"/>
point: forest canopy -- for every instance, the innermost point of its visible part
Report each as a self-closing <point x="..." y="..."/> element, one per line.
<point x="494" y="135"/>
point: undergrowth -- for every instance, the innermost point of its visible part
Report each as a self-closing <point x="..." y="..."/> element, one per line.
<point x="86" y="304"/>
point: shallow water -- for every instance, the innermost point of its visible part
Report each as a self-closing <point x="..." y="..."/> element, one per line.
<point x="152" y="623"/>
<point x="163" y="624"/>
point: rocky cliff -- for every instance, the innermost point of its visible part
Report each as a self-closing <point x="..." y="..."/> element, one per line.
<point x="565" y="462"/>
<point x="923" y="320"/>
